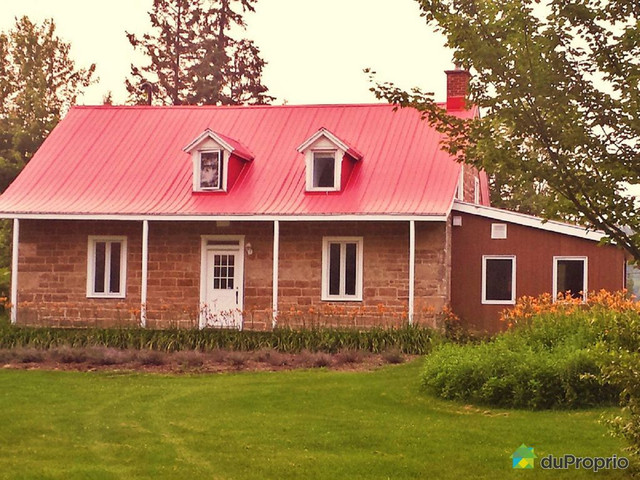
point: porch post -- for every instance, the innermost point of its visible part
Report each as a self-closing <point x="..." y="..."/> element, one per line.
<point x="145" y="264"/>
<point x="14" y="271"/>
<point x="276" y="253"/>
<point x="412" y="267"/>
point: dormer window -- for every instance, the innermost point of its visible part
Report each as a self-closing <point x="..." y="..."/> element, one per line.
<point x="218" y="161"/>
<point x="324" y="170"/>
<point x="211" y="164"/>
<point x="328" y="161"/>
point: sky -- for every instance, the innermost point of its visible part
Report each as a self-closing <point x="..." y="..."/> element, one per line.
<point x="316" y="50"/>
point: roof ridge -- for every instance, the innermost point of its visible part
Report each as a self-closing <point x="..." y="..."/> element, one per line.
<point x="231" y="107"/>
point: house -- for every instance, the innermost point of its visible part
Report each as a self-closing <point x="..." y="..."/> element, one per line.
<point x="247" y="216"/>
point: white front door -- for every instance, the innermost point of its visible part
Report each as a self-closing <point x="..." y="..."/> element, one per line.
<point x="222" y="279"/>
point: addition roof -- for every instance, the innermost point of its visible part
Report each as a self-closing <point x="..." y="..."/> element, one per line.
<point x="129" y="162"/>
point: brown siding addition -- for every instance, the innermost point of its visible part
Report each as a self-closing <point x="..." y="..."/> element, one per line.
<point x="534" y="250"/>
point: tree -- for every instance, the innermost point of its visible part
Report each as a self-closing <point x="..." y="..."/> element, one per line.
<point x="557" y="83"/>
<point x="193" y="57"/>
<point x="38" y="83"/>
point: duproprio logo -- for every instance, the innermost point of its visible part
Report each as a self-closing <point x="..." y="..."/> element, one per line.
<point x="523" y="457"/>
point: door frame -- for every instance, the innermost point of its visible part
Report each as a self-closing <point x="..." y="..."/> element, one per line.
<point x="204" y="248"/>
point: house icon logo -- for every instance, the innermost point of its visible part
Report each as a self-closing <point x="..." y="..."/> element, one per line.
<point x="523" y="457"/>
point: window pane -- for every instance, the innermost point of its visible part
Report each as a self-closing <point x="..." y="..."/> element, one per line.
<point x="334" y="269"/>
<point x="498" y="279"/>
<point x="98" y="277"/>
<point x="210" y="170"/>
<point x="350" y="269"/>
<point x="571" y="277"/>
<point x="114" y="280"/>
<point x="633" y="280"/>
<point x="323" y="170"/>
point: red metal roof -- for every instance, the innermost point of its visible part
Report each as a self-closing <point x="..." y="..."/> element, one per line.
<point x="108" y="160"/>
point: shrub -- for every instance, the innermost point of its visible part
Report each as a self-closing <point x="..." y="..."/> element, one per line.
<point x="393" y="356"/>
<point x="189" y="359"/>
<point x="217" y="356"/>
<point x="103" y="356"/>
<point x="69" y="355"/>
<point x="348" y="356"/>
<point x="619" y="360"/>
<point x="237" y="359"/>
<point x="315" y="359"/>
<point x="6" y="356"/>
<point x="321" y="360"/>
<point x="29" y="355"/>
<point x="150" y="357"/>
<point x="547" y="358"/>
<point x="496" y="374"/>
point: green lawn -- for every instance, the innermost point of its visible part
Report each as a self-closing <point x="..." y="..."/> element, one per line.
<point x="295" y="424"/>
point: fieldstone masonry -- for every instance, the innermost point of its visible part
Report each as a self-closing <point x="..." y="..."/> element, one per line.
<point x="53" y="273"/>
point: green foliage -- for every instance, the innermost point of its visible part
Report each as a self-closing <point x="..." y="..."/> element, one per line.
<point x="620" y="364"/>
<point x="193" y="58"/>
<point x="408" y="340"/>
<point x="557" y="83"/>
<point x="38" y="83"/>
<point x="549" y="362"/>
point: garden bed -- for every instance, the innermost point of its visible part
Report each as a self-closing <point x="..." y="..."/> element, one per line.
<point x="216" y="361"/>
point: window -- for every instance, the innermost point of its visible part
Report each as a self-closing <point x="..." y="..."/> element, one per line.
<point x="498" y="231"/>
<point x="324" y="170"/>
<point x="342" y="268"/>
<point x="632" y="280"/>
<point x="106" y="267"/>
<point x="211" y="170"/>
<point x="570" y="275"/>
<point x="498" y="279"/>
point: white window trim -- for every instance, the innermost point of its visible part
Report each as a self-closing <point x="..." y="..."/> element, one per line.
<point x="337" y="169"/>
<point x="91" y="266"/>
<point x="359" y="269"/>
<point x="196" y="170"/>
<point x="585" y="273"/>
<point x="484" y="280"/>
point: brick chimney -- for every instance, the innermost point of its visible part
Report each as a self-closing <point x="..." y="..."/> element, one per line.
<point x="457" y="88"/>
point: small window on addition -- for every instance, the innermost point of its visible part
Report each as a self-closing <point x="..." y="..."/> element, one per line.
<point x="324" y="167"/>
<point x="570" y="277"/>
<point x="498" y="231"/>
<point x="211" y="170"/>
<point x="499" y="279"/>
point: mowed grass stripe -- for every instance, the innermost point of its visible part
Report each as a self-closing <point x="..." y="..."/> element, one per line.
<point x="311" y="424"/>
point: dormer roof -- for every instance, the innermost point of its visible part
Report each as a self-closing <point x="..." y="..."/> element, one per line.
<point x="229" y="144"/>
<point x="339" y="143"/>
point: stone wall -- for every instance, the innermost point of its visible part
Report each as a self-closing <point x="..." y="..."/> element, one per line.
<point x="53" y="273"/>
